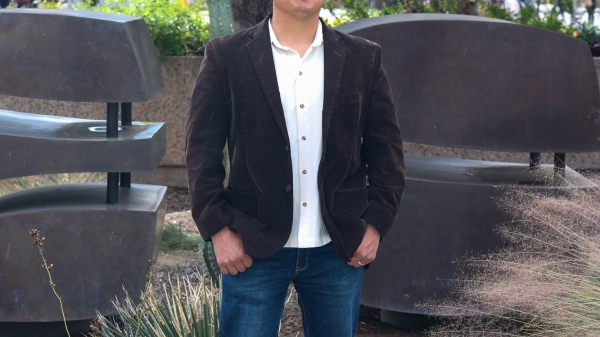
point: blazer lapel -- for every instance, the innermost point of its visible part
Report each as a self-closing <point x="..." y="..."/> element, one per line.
<point x="335" y="58"/>
<point x="261" y="55"/>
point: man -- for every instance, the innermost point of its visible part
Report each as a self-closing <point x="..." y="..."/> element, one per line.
<point x="307" y="113"/>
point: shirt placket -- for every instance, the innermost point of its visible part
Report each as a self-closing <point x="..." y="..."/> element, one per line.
<point x="304" y="150"/>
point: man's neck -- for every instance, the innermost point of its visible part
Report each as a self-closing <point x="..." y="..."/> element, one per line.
<point x="294" y="32"/>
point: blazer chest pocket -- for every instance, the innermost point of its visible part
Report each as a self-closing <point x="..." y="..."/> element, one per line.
<point x="346" y="115"/>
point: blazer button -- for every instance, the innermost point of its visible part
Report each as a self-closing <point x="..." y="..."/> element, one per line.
<point x="287" y="148"/>
<point x="288" y="187"/>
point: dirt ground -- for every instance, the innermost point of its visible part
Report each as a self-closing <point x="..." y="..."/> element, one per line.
<point x="178" y="262"/>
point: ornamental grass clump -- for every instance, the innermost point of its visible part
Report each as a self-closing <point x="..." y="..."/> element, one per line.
<point x="16" y="184"/>
<point x="175" y="238"/>
<point x="545" y="282"/>
<point x="181" y="310"/>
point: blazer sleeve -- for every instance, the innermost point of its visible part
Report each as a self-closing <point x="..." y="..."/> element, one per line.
<point x="205" y="135"/>
<point x="383" y="152"/>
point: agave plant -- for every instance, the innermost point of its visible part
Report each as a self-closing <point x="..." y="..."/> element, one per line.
<point x="183" y="310"/>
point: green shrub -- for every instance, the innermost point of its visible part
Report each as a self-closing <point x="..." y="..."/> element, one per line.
<point x="176" y="29"/>
<point x="499" y="12"/>
<point x="589" y="33"/>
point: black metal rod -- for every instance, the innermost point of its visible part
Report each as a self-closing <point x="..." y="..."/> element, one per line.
<point x="534" y="159"/>
<point x="559" y="168"/>
<point x="559" y="160"/>
<point x="112" y="120"/>
<point x="112" y="188"/>
<point x="125" y="179"/>
<point x="126" y="118"/>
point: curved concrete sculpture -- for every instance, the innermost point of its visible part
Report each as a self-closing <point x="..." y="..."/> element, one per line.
<point x="38" y="144"/>
<point x="480" y="83"/>
<point x="77" y="56"/>
<point x="100" y="237"/>
<point x="97" y="249"/>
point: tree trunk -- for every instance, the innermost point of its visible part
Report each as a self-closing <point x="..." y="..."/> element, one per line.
<point x="247" y="13"/>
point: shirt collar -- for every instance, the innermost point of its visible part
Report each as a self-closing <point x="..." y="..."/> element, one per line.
<point x="317" y="42"/>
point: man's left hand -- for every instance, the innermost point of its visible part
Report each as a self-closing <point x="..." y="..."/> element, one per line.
<point x="367" y="250"/>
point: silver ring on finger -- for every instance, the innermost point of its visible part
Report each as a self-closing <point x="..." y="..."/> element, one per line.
<point x="360" y="263"/>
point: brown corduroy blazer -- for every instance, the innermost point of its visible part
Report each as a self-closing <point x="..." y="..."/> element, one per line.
<point x="236" y="98"/>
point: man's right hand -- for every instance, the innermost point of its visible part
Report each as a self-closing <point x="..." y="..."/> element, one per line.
<point x="229" y="251"/>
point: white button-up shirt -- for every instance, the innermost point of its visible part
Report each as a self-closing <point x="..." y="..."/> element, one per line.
<point x="301" y="89"/>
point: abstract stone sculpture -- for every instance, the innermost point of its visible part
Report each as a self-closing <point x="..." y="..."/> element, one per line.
<point x="477" y="83"/>
<point x="100" y="237"/>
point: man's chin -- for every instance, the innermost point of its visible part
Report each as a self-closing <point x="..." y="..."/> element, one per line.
<point x="304" y="11"/>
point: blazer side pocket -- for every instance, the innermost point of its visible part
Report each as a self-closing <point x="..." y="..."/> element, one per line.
<point x="352" y="200"/>
<point x="348" y="98"/>
<point x="245" y="201"/>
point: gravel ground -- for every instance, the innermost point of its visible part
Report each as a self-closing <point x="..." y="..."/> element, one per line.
<point x="181" y="262"/>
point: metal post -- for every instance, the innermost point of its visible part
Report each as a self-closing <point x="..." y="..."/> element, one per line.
<point x="126" y="120"/>
<point x="112" y="120"/>
<point x="112" y="190"/>
<point x="126" y="114"/>
<point x="534" y="159"/>
<point x="112" y="131"/>
<point x="559" y="168"/>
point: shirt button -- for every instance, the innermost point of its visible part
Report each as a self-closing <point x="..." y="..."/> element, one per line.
<point x="301" y="106"/>
<point x="304" y="204"/>
<point x="303" y="137"/>
<point x="300" y="73"/>
<point x="303" y="171"/>
<point x="288" y="187"/>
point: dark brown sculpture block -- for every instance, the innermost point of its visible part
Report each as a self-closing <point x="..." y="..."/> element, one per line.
<point x="100" y="237"/>
<point x="36" y="144"/>
<point x="77" y="56"/>
<point x="98" y="250"/>
<point x="488" y="84"/>
<point x="479" y="83"/>
<point x="448" y="211"/>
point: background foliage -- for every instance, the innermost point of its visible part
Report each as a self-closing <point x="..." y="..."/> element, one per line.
<point x="175" y="28"/>
<point x="181" y="30"/>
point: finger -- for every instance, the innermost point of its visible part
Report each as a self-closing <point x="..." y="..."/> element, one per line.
<point x="370" y="257"/>
<point x="355" y="259"/>
<point x="247" y="261"/>
<point x="232" y="269"/>
<point x="240" y="266"/>
<point x="224" y="269"/>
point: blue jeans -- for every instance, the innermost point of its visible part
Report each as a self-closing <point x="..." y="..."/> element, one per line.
<point x="328" y="294"/>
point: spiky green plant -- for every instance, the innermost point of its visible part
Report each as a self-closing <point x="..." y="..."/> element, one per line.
<point x="221" y="17"/>
<point x="208" y="253"/>
<point x="183" y="310"/>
